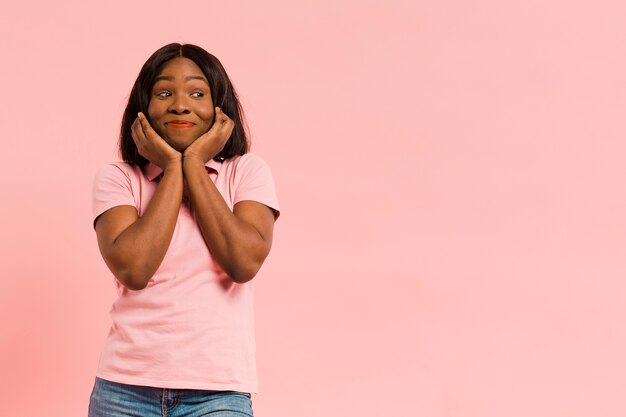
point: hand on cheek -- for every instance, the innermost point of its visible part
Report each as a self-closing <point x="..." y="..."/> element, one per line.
<point x="211" y="143"/>
<point x="150" y="145"/>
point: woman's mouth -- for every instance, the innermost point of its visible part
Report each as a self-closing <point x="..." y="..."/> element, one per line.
<point x="179" y="124"/>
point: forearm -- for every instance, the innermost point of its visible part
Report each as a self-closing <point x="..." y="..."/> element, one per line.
<point x="236" y="246"/>
<point x="140" y="248"/>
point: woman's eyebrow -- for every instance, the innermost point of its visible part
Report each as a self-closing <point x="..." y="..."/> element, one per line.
<point x="187" y="78"/>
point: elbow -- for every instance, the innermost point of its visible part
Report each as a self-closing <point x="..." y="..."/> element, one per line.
<point x="133" y="286"/>
<point x="133" y="280"/>
<point x="244" y="273"/>
<point x="132" y="271"/>
<point x="245" y="261"/>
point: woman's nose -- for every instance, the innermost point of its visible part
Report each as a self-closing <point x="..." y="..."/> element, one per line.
<point x="178" y="106"/>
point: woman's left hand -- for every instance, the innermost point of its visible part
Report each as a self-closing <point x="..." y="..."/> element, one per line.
<point x="207" y="146"/>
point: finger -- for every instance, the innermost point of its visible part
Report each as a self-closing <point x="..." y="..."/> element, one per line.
<point x="135" y="123"/>
<point x="145" y="125"/>
<point x="137" y="133"/>
<point x="228" y="122"/>
<point x="226" y="130"/>
<point x="221" y="116"/>
<point x="224" y="122"/>
<point x="136" y="127"/>
<point x="218" y="122"/>
<point x="133" y="130"/>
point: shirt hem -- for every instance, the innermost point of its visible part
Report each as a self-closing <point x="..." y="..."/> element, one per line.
<point x="170" y="384"/>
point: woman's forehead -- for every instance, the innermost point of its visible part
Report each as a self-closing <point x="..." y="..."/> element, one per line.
<point x="180" y="68"/>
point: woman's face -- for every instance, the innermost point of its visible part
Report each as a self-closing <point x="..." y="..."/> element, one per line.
<point x="181" y="108"/>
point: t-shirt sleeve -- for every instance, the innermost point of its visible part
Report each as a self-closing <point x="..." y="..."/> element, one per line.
<point x="254" y="181"/>
<point x="112" y="187"/>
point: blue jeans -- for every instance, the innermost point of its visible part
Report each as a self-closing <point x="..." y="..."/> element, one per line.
<point x="113" y="399"/>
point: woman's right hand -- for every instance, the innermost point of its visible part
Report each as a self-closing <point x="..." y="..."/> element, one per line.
<point x="152" y="146"/>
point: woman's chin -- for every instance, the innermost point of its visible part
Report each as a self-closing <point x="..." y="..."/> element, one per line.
<point x="179" y="144"/>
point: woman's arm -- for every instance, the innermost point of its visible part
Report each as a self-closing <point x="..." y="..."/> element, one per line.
<point x="239" y="240"/>
<point x="133" y="247"/>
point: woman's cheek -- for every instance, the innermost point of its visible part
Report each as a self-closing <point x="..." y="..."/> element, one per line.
<point x="159" y="131"/>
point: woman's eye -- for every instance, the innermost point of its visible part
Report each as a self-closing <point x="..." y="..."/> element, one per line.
<point x="199" y="94"/>
<point x="164" y="94"/>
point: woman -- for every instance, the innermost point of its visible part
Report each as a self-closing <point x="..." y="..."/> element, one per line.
<point x="184" y="224"/>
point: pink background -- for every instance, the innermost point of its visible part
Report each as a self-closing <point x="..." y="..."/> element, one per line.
<point x="451" y="176"/>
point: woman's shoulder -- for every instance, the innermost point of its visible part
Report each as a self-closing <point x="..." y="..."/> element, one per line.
<point x="248" y="160"/>
<point x="121" y="165"/>
<point x="118" y="169"/>
<point x="247" y="170"/>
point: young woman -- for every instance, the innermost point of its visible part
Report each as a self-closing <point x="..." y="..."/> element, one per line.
<point x="184" y="224"/>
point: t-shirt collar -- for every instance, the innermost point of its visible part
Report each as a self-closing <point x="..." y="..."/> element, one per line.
<point x="153" y="171"/>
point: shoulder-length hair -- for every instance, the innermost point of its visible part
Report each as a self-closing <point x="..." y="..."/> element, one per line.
<point x="223" y="95"/>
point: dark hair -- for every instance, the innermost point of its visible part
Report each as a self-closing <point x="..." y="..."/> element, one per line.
<point x="222" y="93"/>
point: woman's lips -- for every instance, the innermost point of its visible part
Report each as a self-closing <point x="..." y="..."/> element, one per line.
<point x="179" y="124"/>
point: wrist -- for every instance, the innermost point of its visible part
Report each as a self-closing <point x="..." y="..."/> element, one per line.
<point x="191" y="158"/>
<point x="173" y="164"/>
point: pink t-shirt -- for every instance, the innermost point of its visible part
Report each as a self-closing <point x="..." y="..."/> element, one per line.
<point x="192" y="326"/>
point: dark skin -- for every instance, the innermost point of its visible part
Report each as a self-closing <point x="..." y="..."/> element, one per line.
<point x="188" y="132"/>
